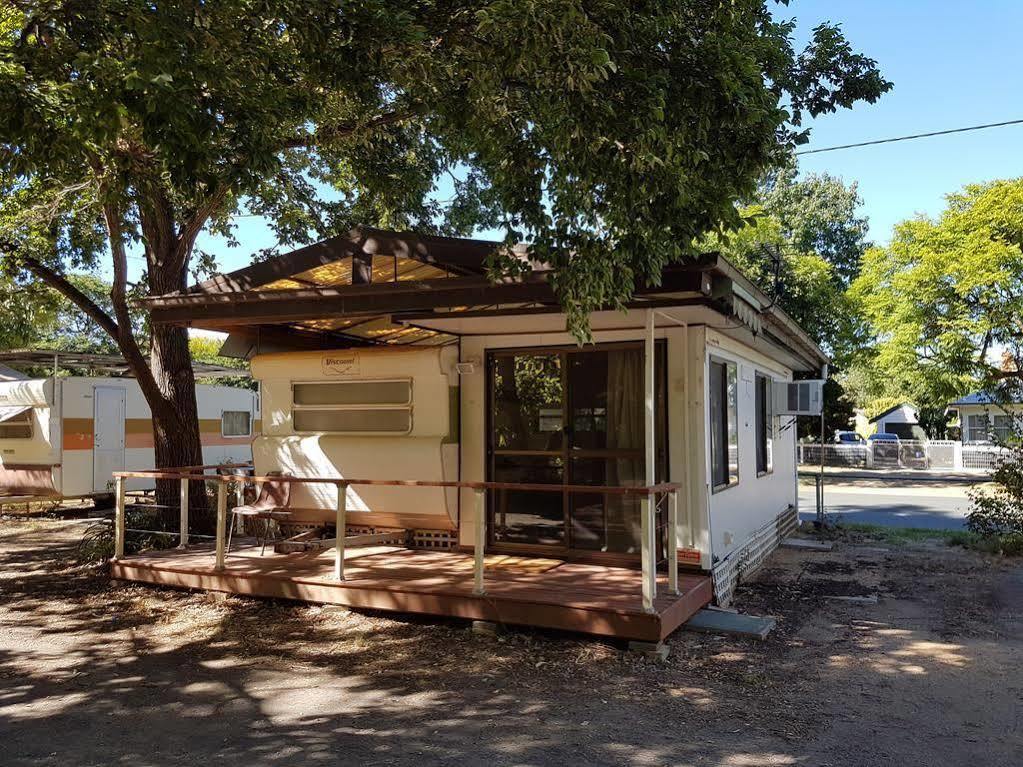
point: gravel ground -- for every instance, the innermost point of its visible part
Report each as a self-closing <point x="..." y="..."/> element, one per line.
<point x="95" y="675"/>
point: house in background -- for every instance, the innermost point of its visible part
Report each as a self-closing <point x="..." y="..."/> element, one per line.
<point x="387" y="356"/>
<point x="984" y="418"/>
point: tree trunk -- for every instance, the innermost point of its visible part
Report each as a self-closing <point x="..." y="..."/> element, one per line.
<point x="176" y="431"/>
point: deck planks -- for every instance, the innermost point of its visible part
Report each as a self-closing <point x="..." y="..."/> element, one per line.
<point x="594" y="599"/>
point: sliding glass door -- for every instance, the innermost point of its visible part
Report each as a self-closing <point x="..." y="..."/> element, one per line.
<point x="570" y="417"/>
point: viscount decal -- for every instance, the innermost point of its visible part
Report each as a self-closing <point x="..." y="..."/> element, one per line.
<point x="340" y="364"/>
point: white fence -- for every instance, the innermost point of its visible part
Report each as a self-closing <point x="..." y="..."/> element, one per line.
<point x="936" y="455"/>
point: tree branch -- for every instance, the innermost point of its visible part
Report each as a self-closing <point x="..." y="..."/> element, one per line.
<point x="124" y="336"/>
<point x="62" y="285"/>
<point x="325" y="136"/>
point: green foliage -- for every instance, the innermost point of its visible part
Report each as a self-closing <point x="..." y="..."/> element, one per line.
<point x="611" y="135"/>
<point x="802" y="240"/>
<point x="997" y="512"/>
<point x="818" y="214"/>
<point x="205" y="349"/>
<point x="36" y="317"/>
<point x="945" y="293"/>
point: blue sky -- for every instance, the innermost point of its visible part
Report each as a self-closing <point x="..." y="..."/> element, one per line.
<point x="953" y="64"/>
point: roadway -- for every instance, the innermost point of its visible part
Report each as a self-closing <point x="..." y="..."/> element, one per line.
<point x="931" y="505"/>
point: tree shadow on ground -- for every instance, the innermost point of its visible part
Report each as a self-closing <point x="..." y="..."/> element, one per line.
<point x="96" y="675"/>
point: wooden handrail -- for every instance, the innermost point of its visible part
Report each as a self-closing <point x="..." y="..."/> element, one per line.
<point x="662" y="487"/>
<point x="648" y="555"/>
<point x="202" y="467"/>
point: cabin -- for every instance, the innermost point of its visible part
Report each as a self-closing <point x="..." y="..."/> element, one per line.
<point x="63" y="436"/>
<point x="613" y="487"/>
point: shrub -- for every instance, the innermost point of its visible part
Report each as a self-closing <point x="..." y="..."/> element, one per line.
<point x="998" y="513"/>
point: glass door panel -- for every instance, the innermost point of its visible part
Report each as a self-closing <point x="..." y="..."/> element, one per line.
<point x="527" y="412"/>
<point x="528" y="517"/>
<point x="572" y="416"/>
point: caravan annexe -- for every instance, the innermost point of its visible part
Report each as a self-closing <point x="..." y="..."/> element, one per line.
<point x="387" y="356"/>
<point x="64" y="437"/>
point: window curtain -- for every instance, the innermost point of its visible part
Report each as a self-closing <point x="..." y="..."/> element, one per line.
<point x="624" y="432"/>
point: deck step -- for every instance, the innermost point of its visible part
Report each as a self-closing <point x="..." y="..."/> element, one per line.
<point x="724" y="622"/>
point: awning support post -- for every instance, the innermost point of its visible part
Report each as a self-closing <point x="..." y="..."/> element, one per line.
<point x="340" y="531"/>
<point x="648" y="507"/>
<point x="672" y="552"/>
<point x="480" y="543"/>
<point x="119" y="518"/>
<point x="183" y="522"/>
<point x="221" y="523"/>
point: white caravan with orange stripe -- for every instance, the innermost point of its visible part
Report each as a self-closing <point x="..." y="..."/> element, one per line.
<point x="64" y="437"/>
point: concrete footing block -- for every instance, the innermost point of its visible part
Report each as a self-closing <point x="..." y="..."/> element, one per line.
<point x="806" y="544"/>
<point x="487" y="628"/>
<point x="653" y="650"/>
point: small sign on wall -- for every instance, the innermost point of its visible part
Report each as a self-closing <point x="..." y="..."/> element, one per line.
<point x="340" y="364"/>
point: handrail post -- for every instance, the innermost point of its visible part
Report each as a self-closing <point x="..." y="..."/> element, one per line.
<point x="480" y="544"/>
<point x="221" y="522"/>
<point x="648" y="551"/>
<point x="340" y="530"/>
<point x="183" y="524"/>
<point x="119" y="518"/>
<point x="673" y="541"/>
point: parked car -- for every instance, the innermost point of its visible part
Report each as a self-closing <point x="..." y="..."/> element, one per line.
<point x="887" y="448"/>
<point x="849" y="438"/>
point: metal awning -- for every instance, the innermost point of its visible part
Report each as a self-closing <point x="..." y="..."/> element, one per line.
<point x="372" y="287"/>
<point x="112" y="364"/>
<point x="11" y="412"/>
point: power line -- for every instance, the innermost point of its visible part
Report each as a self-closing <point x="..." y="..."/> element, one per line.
<point x="910" y="138"/>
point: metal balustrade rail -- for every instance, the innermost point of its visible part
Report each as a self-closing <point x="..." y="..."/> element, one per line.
<point x="650" y="497"/>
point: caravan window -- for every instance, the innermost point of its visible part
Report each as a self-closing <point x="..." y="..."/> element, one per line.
<point x="724" y="427"/>
<point x="353" y="407"/>
<point x="764" y="425"/>
<point x="15" y="423"/>
<point x="236" y="423"/>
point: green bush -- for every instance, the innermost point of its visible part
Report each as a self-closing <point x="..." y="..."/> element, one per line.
<point x="997" y="514"/>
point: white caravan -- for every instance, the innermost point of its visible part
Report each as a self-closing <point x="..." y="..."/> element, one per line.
<point x="64" y="437"/>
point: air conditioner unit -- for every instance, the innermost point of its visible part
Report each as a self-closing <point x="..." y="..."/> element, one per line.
<point x="798" y="397"/>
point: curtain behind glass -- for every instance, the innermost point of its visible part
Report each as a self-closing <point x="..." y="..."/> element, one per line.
<point x="625" y="399"/>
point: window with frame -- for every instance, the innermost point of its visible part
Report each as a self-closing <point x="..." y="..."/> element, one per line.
<point x="353" y="407"/>
<point x="764" y="424"/>
<point x="17" y="424"/>
<point x="976" y="428"/>
<point x="236" y="423"/>
<point x="724" y="427"/>
<point x="1004" y="428"/>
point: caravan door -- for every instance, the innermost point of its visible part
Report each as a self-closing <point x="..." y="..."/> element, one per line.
<point x="108" y="436"/>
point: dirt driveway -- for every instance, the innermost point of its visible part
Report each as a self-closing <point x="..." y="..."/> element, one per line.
<point x="931" y="675"/>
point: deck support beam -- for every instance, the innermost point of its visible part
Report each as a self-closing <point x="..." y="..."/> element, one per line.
<point x="221" y="524"/>
<point x="183" y="522"/>
<point x="119" y="518"/>
<point x="340" y="531"/>
<point x="480" y="543"/>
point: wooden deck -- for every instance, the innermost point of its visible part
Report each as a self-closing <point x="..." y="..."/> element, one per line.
<point x="548" y="593"/>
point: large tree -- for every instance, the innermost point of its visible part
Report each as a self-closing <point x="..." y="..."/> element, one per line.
<point x="609" y="134"/>
<point x="945" y="298"/>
